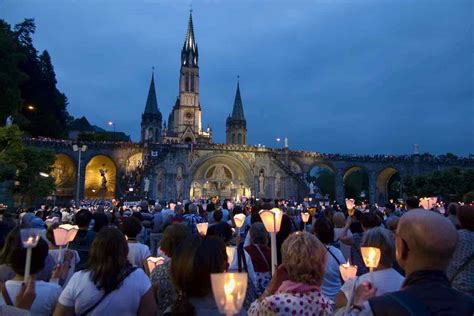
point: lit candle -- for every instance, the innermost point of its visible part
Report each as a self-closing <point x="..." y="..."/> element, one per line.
<point x="230" y="254"/>
<point x="29" y="239"/>
<point x="305" y="217"/>
<point x="272" y="221"/>
<point x="348" y="271"/>
<point x="229" y="291"/>
<point x="371" y="256"/>
<point x="350" y="203"/>
<point x="202" y="228"/>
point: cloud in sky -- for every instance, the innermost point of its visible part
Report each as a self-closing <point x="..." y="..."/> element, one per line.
<point x="333" y="76"/>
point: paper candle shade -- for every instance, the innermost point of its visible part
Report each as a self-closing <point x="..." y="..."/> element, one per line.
<point x="65" y="234"/>
<point x="30" y="237"/>
<point x="428" y="202"/>
<point x="348" y="271"/>
<point x="239" y="220"/>
<point x="153" y="262"/>
<point x="305" y="217"/>
<point x="371" y="256"/>
<point x="230" y="254"/>
<point x="350" y="203"/>
<point x="202" y="228"/>
<point x="229" y="291"/>
<point x="271" y="219"/>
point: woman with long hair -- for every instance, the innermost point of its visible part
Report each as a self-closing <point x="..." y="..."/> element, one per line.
<point x="109" y="284"/>
<point x="193" y="262"/>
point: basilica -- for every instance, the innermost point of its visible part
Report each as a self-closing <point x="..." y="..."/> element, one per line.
<point x="176" y="159"/>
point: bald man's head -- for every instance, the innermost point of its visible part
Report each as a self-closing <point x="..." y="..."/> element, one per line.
<point x="426" y="241"/>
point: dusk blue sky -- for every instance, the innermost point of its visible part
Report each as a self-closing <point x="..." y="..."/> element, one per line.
<point x="333" y="76"/>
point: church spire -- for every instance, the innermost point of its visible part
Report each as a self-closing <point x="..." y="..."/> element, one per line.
<point x="189" y="53"/>
<point x="151" y="103"/>
<point x="238" y="110"/>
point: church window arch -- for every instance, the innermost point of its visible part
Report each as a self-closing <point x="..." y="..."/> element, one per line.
<point x="233" y="138"/>
<point x="239" y="139"/>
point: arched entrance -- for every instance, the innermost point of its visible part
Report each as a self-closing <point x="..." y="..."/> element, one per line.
<point x="388" y="185"/>
<point x="222" y="176"/>
<point x="100" y="178"/>
<point x="64" y="174"/>
<point x="356" y="183"/>
<point x="324" y="181"/>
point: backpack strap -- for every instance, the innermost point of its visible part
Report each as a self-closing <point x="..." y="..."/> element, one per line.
<point x="6" y="296"/>
<point x="241" y="260"/>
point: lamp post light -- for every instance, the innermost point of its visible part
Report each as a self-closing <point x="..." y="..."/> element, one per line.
<point x="278" y="142"/>
<point x="80" y="150"/>
<point x="112" y="124"/>
<point x="272" y="221"/>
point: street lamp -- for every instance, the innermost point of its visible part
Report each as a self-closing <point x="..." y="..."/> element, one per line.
<point x="31" y="107"/>
<point x="81" y="149"/>
<point x="112" y="124"/>
<point x="278" y="142"/>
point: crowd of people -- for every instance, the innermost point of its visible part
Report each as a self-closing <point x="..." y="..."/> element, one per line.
<point x="426" y="265"/>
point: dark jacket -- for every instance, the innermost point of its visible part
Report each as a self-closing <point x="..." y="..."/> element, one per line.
<point x="424" y="293"/>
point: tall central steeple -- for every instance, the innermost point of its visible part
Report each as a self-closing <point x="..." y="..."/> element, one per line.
<point x="185" y="120"/>
<point x="189" y="53"/>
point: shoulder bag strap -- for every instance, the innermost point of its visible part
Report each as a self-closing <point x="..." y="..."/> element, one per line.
<point x="241" y="259"/>
<point x="461" y="268"/>
<point x="335" y="258"/>
<point x="5" y="295"/>
<point x="90" y="309"/>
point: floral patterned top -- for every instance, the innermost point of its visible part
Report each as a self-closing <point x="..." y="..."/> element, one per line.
<point x="309" y="301"/>
<point x="165" y="292"/>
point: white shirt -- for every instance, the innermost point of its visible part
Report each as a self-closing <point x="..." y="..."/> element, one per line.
<point x="47" y="294"/>
<point x="345" y="249"/>
<point x="332" y="277"/>
<point x="82" y="294"/>
<point x="59" y="254"/>
<point x="137" y="253"/>
<point x="386" y="281"/>
<point x="234" y="267"/>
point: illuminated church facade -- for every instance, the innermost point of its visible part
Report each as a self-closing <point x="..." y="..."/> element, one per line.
<point x="176" y="159"/>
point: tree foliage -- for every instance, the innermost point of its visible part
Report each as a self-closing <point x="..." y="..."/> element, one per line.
<point x="451" y="184"/>
<point x="28" y="79"/>
<point x="23" y="165"/>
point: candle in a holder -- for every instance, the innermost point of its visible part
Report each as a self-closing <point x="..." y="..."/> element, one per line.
<point x="29" y="239"/>
<point x="305" y="217"/>
<point x="202" y="228"/>
<point x="348" y="271"/>
<point x="371" y="256"/>
<point x="229" y="291"/>
<point x="230" y="254"/>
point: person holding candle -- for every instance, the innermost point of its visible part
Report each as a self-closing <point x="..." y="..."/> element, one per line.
<point x="296" y="286"/>
<point x="386" y="279"/>
<point x="160" y="277"/>
<point x="47" y="293"/>
<point x="110" y="285"/>
<point x="324" y="230"/>
<point x="339" y="221"/>
<point x="425" y="243"/>
<point x="84" y="238"/>
<point x="193" y="262"/>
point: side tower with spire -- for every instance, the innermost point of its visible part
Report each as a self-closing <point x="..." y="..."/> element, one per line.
<point x="185" y="120"/>
<point x="236" y="125"/>
<point x="151" y="117"/>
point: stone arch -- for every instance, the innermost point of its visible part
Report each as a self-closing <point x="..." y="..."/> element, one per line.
<point x="323" y="176"/>
<point x="383" y="179"/>
<point x="223" y="175"/>
<point x="360" y="189"/>
<point x="64" y="174"/>
<point x="94" y="187"/>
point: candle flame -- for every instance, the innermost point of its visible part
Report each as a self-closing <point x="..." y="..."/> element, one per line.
<point x="229" y="287"/>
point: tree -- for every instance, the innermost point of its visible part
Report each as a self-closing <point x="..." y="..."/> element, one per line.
<point x="451" y="184"/>
<point x="10" y="74"/>
<point x="28" y="84"/>
<point x="23" y="166"/>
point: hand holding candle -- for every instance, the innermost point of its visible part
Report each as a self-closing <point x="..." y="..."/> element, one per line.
<point x="272" y="221"/>
<point x="153" y="262"/>
<point x="29" y="238"/>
